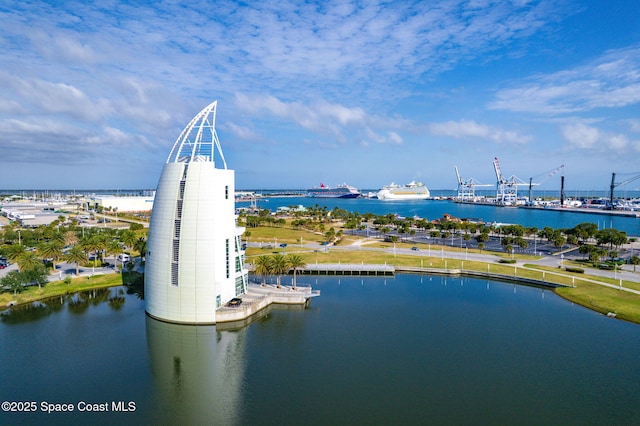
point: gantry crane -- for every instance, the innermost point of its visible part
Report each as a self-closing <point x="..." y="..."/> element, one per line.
<point x="506" y="188"/>
<point x="549" y="174"/>
<point x="467" y="188"/>
<point x="615" y="184"/>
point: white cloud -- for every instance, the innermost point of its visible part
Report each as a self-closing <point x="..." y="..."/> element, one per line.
<point x="42" y="96"/>
<point x="395" y="138"/>
<point x="581" y="136"/>
<point x="471" y="129"/>
<point x="323" y="117"/>
<point x="634" y="125"/>
<point x="610" y="81"/>
<point x="242" y="132"/>
<point x="589" y="138"/>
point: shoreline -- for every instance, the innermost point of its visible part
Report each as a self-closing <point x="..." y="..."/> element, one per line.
<point x="243" y="316"/>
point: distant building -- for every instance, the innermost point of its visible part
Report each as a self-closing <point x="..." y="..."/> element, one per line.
<point x="31" y="214"/>
<point x="194" y="262"/>
<point x="122" y="203"/>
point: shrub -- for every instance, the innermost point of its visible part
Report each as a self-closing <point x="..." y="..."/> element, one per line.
<point x="507" y="261"/>
<point x="576" y="270"/>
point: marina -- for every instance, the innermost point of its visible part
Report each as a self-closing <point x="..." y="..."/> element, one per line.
<point x="444" y="204"/>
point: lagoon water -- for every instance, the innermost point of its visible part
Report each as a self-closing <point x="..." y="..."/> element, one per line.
<point x="435" y="209"/>
<point x="405" y="350"/>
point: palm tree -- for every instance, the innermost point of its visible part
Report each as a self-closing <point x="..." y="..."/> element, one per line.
<point x="28" y="260"/>
<point x="75" y="255"/>
<point x="263" y="267"/>
<point x="70" y="238"/>
<point x="113" y="248"/>
<point x="295" y="262"/>
<point x="51" y="250"/>
<point x="279" y="266"/>
<point x="92" y="243"/>
<point x="102" y="242"/>
<point x="14" y="251"/>
<point x="128" y="237"/>
<point x="141" y="246"/>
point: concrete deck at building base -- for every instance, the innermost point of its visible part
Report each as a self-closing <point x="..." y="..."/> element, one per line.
<point x="259" y="297"/>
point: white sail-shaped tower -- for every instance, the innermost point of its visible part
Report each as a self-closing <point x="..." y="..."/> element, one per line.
<point x="194" y="261"/>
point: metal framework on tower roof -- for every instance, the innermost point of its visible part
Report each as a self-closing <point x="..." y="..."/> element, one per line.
<point x="199" y="140"/>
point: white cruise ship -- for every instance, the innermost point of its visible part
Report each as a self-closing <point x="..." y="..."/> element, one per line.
<point x="410" y="191"/>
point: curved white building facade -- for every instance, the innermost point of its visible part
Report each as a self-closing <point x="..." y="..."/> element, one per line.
<point x="194" y="261"/>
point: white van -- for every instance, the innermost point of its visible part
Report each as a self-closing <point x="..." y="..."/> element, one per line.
<point x="124" y="257"/>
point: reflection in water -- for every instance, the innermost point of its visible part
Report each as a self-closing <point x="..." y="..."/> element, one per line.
<point x="198" y="372"/>
<point x="76" y="304"/>
<point x="31" y="312"/>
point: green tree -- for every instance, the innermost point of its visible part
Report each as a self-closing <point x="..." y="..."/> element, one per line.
<point x="279" y="266"/>
<point x="113" y="248"/>
<point x="596" y="254"/>
<point x="559" y="240"/>
<point x="13" y="281"/>
<point x="37" y="275"/>
<point x="128" y="237"/>
<point x="14" y="251"/>
<point x="585" y="249"/>
<point x="70" y="238"/>
<point x="521" y="242"/>
<point x="584" y="231"/>
<point x="136" y="226"/>
<point x="141" y="246"/>
<point x="28" y="260"/>
<point x="262" y="267"/>
<point x="482" y="237"/>
<point x="51" y="250"/>
<point x="295" y="261"/>
<point x="634" y="260"/>
<point x="89" y="244"/>
<point x="75" y="255"/>
<point x="611" y="236"/>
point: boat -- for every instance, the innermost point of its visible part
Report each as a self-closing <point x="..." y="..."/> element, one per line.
<point x="340" y="191"/>
<point x="410" y="191"/>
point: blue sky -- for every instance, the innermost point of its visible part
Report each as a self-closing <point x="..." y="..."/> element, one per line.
<point x="368" y="93"/>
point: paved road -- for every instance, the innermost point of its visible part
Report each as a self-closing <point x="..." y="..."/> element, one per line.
<point x="552" y="260"/>
<point x="64" y="269"/>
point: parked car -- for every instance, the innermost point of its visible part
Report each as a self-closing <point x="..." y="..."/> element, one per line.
<point x="235" y="302"/>
<point x="122" y="257"/>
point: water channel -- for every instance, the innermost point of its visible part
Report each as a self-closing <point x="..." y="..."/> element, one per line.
<point x="408" y="349"/>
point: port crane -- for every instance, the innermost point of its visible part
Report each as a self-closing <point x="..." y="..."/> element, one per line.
<point x="615" y="184"/>
<point x="506" y="188"/>
<point x="467" y="188"/>
<point x="549" y="174"/>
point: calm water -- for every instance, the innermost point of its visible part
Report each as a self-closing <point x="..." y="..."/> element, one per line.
<point x="431" y="209"/>
<point x="405" y="350"/>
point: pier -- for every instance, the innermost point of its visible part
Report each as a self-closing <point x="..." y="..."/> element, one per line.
<point x="259" y="297"/>
<point x="348" y="269"/>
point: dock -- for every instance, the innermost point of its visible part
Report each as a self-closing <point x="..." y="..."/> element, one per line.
<point x="348" y="269"/>
<point x="259" y="298"/>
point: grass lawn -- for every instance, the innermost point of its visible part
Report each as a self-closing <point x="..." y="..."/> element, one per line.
<point x="56" y="288"/>
<point x="604" y="300"/>
<point x="353" y="249"/>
